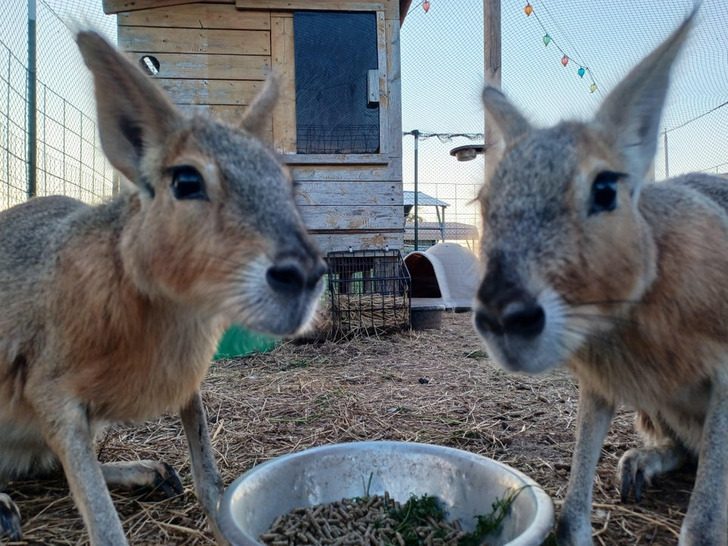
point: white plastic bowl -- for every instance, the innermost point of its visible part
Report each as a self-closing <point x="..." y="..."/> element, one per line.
<point x="467" y="484"/>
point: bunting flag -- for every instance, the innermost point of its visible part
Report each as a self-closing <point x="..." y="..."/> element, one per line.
<point x="548" y="39"/>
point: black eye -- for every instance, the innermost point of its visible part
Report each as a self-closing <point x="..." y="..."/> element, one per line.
<point x="604" y="192"/>
<point x="187" y="183"/>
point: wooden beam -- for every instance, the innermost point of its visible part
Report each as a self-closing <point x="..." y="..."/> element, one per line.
<point x="383" y="53"/>
<point x="336" y="159"/>
<point x="212" y="67"/>
<point x="232" y="92"/>
<point x="185" y="40"/>
<point x="117" y="6"/>
<point x="351" y="172"/>
<point x="328" y="5"/>
<point x="358" y="217"/>
<point x="331" y="241"/>
<point x="223" y="16"/>
<point x="350" y="193"/>
<point x="393" y="104"/>
<point x="283" y="64"/>
<point x="492" y="41"/>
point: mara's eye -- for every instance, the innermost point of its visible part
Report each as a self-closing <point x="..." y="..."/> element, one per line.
<point x="187" y="183"/>
<point x="604" y="192"/>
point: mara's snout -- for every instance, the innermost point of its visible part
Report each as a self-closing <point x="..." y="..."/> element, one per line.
<point x="522" y="330"/>
<point x="292" y="289"/>
<point x="521" y="322"/>
<point x="290" y="279"/>
<point x="523" y="317"/>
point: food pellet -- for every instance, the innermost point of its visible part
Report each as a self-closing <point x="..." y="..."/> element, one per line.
<point x="356" y="522"/>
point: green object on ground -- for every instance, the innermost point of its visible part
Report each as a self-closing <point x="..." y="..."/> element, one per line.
<point x="238" y="341"/>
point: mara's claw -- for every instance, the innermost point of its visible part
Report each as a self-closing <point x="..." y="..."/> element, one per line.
<point x="637" y="467"/>
<point x="632" y="480"/>
<point x="9" y="519"/>
<point x="168" y="481"/>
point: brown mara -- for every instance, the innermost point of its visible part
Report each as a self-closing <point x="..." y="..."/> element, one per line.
<point x="623" y="282"/>
<point x="112" y="313"/>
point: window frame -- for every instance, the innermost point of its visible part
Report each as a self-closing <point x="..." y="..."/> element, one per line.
<point x="283" y="63"/>
<point x="317" y="25"/>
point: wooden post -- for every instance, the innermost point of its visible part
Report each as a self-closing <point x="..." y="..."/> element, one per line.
<point x="416" y="134"/>
<point x="667" y="158"/>
<point x="492" y="41"/>
<point x="32" y="102"/>
<point x="492" y="54"/>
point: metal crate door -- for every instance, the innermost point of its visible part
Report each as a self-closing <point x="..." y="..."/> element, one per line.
<point x="369" y="290"/>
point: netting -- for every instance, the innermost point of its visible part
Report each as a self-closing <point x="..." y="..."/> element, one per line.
<point x="69" y="159"/>
<point x="442" y="75"/>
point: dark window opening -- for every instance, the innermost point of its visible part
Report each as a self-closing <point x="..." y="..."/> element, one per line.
<point x="424" y="279"/>
<point x="334" y="53"/>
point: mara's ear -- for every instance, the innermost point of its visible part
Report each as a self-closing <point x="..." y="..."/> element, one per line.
<point x="259" y="111"/>
<point x="133" y="113"/>
<point x="630" y="115"/>
<point x="501" y="115"/>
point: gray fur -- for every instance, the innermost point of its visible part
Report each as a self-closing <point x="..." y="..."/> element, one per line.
<point x="631" y="295"/>
<point x="112" y="312"/>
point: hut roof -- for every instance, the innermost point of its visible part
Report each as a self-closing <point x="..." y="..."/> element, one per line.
<point x="117" y="6"/>
<point x="423" y="200"/>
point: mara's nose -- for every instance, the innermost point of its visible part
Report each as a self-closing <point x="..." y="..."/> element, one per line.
<point x="518" y="318"/>
<point x="525" y="319"/>
<point x="290" y="278"/>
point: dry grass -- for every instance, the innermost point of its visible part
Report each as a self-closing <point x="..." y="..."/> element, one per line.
<point x="433" y="386"/>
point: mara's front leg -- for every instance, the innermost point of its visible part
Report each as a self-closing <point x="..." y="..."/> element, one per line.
<point x="706" y="523"/>
<point x="208" y="483"/>
<point x="593" y="418"/>
<point x="66" y="428"/>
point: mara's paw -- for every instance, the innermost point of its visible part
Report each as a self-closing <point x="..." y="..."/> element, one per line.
<point x="9" y="519"/>
<point x="159" y="477"/>
<point x="638" y="467"/>
<point x="631" y="474"/>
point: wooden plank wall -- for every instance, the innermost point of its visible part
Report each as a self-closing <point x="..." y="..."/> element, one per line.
<point x="211" y="56"/>
<point x="214" y="57"/>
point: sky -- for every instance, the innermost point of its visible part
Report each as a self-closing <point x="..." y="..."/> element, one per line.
<point x="69" y="160"/>
<point x="442" y="74"/>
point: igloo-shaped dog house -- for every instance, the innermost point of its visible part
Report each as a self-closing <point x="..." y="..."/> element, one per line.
<point x="445" y="276"/>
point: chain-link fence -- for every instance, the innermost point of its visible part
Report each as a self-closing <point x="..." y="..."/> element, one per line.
<point x="442" y="75"/>
<point x="699" y="143"/>
<point x="13" y="129"/>
<point x="59" y="123"/>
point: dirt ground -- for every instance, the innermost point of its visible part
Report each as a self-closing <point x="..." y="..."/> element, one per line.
<point x="435" y="386"/>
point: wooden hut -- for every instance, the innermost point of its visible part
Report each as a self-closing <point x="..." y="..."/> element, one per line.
<point x="338" y="122"/>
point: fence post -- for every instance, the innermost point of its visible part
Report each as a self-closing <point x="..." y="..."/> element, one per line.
<point x="492" y="41"/>
<point x="667" y="159"/>
<point x="32" y="102"/>
<point x="416" y="134"/>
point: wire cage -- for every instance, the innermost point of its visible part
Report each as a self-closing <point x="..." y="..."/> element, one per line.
<point x="369" y="290"/>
